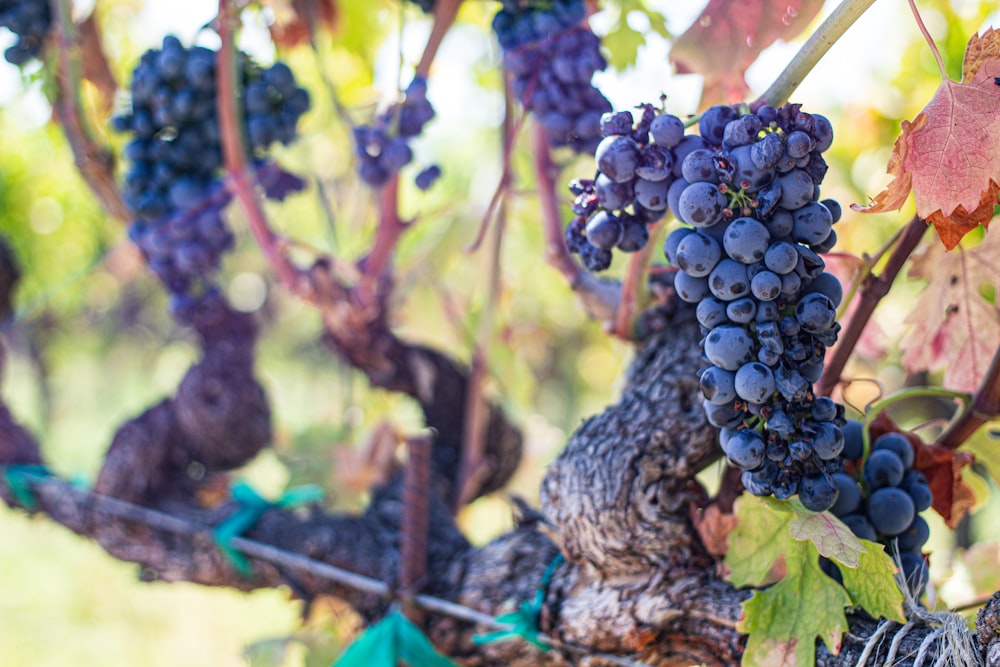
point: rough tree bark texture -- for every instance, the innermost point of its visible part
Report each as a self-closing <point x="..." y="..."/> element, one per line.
<point x="618" y="503"/>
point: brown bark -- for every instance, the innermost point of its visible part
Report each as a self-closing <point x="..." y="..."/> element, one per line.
<point x="617" y="503"/>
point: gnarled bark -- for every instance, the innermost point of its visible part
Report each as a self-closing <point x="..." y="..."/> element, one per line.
<point x="617" y="503"/>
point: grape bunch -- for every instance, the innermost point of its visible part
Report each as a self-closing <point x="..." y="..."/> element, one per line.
<point x="552" y="56"/>
<point x="383" y="148"/>
<point x="30" y="21"/>
<point x="173" y="184"/>
<point x="748" y="186"/>
<point x="635" y="169"/>
<point x="887" y="509"/>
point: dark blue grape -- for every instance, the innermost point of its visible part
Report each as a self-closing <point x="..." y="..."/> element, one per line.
<point x="667" y="130"/>
<point x="604" y="230"/>
<point x="890" y="510"/>
<point x="729" y="347"/>
<point x="852" y="439"/>
<point x="915" y="536"/>
<point x="817" y="493"/>
<point x="718" y="386"/>
<point x="860" y="526"/>
<point x="883" y="468"/>
<point x="848" y="495"/>
<point x="746" y="449"/>
<point x="896" y="443"/>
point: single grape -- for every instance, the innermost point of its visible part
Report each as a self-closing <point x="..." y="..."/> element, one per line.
<point x="689" y="288"/>
<point x="674" y="239"/>
<point x="890" y="510"/>
<point x="848" y="495"/>
<point x="812" y="223"/>
<point x="667" y="130"/>
<point x="915" y="536"/>
<point x="817" y="493"/>
<point x="828" y="441"/>
<point x="766" y="286"/>
<point x="815" y="312"/>
<point x="796" y="189"/>
<point x="754" y="383"/>
<point x="729" y="347"/>
<point x="700" y="205"/>
<point x="604" y="230"/>
<point x="698" y="254"/>
<point x="728" y="280"/>
<point x="883" y="468"/>
<point x="718" y="385"/>
<point x="617" y="157"/>
<point x="746" y="240"/>
<point x="852" y="439"/>
<point x="711" y="312"/>
<point x="897" y="443"/>
<point x="742" y="311"/>
<point x="746" y="449"/>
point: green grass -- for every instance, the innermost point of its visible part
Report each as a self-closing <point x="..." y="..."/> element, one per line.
<point x="63" y="600"/>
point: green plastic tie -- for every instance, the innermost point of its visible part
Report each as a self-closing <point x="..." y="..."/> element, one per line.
<point x="392" y="639"/>
<point x="251" y="507"/>
<point x="20" y="479"/>
<point x="525" y="620"/>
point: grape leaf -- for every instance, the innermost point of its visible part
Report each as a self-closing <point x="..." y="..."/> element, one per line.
<point x="868" y="585"/>
<point x="949" y="156"/>
<point x="622" y="42"/>
<point x="954" y="326"/>
<point x="830" y="537"/>
<point x="295" y="24"/>
<point x="785" y="619"/>
<point x="727" y="37"/>
<point x="760" y="537"/>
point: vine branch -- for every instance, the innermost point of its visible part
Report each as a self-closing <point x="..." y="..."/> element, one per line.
<point x="872" y="292"/>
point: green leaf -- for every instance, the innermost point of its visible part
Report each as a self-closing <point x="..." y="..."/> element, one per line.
<point x="785" y="619"/>
<point x="760" y="537"/>
<point x="622" y="44"/>
<point x="871" y="584"/>
<point x="830" y="536"/>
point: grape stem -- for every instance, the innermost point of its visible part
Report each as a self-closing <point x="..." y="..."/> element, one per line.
<point x="872" y="291"/>
<point x="93" y="161"/>
<point x="985" y="406"/>
<point x="835" y="25"/>
<point x="930" y="40"/>
<point x="633" y="290"/>
<point x="878" y="408"/>
<point x="445" y="12"/>
<point x="240" y="181"/>
<point x="471" y="467"/>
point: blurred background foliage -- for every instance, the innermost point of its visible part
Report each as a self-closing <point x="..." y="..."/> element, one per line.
<point x="91" y="344"/>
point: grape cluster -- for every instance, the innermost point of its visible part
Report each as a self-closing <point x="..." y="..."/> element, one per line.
<point x="383" y="148"/>
<point x="173" y="185"/>
<point x="552" y="56"/>
<point x="30" y="21"/>
<point x="635" y="163"/>
<point x="888" y="509"/>
<point x="748" y="186"/>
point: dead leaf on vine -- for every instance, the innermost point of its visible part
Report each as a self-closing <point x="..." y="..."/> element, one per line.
<point x="949" y="156"/>
<point x="714" y="527"/>
<point x="727" y="37"/>
<point x="295" y="20"/>
<point x="943" y="469"/>
<point x="955" y="326"/>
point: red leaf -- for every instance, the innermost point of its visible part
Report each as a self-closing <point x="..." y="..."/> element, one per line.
<point x="941" y="466"/>
<point x="950" y="155"/>
<point x="954" y="326"/>
<point x="295" y="24"/>
<point x="729" y="35"/>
